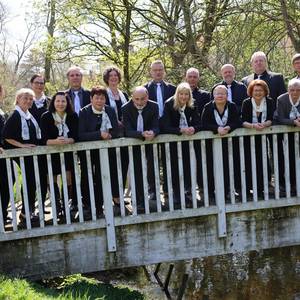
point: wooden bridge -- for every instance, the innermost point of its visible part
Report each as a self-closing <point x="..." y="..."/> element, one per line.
<point x="160" y="234"/>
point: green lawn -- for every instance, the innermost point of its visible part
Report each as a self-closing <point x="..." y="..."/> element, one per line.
<point x="73" y="287"/>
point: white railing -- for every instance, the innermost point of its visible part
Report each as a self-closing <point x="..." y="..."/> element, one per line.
<point x="207" y="205"/>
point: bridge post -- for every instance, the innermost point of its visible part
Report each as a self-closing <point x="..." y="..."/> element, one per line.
<point x="107" y="199"/>
<point x="219" y="186"/>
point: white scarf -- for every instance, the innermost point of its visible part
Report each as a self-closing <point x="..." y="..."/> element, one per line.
<point x="261" y="108"/>
<point x="39" y="103"/>
<point x="294" y="113"/>
<point x="61" y="124"/>
<point x="183" y="121"/>
<point x="112" y="101"/>
<point x="221" y="122"/>
<point x="105" y="124"/>
<point x="25" y="116"/>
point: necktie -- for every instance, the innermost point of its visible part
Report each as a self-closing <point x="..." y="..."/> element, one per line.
<point x="258" y="76"/>
<point x="229" y="98"/>
<point x="182" y="122"/>
<point x="140" y="122"/>
<point x="77" y="105"/>
<point x="159" y="98"/>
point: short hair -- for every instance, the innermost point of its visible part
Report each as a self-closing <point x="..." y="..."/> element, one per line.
<point x="294" y="82"/>
<point x="157" y="62"/>
<point x="257" y="82"/>
<point x="74" y="68"/>
<point x="23" y="91"/>
<point x="69" y="108"/>
<point x="99" y="90"/>
<point x="192" y="70"/>
<point x="183" y="87"/>
<point x="220" y="86"/>
<point x="36" y="76"/>
<point x="257" y="54"/>
<point x="107" y="71"/>
<point x="140" y="88"/>
<point x="295" y="57"/>
<point x="226" y="66"/>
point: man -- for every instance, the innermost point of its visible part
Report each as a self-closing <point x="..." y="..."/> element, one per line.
<point x="201" y="97"/>
<point x="274" y="81"/>
<point x="80" y="97"/>
<point x="159" y="91"/>
<point x="296" y="64"/>
<point x="237" y="91"/>
<point x="140" y="120"/>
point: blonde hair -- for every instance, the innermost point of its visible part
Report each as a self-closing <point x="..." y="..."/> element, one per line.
<point x="23" y="91"/>
<point x="183" y="87"/>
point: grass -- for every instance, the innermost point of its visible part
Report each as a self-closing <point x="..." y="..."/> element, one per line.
<point x="74" y="287"/>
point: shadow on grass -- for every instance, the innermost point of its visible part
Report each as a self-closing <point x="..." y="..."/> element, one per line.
<point x="74" y="287"/>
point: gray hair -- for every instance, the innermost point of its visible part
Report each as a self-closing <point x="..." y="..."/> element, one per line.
<point x="294" y="82"/>
<point x="227" y="66"/>
<point x="192" y="70"/>
<point x="258" y="54"/>
<point x="23" y="91"/>
<point x="74" y="68"/>
<point x="220" y="87"/>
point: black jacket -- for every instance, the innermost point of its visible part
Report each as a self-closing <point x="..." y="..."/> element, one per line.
<point x="89" y="124"/>
<point x="150" y="117"/>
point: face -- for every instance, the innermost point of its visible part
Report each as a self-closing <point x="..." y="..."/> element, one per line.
<point x="258" y="93"/>
<point x="192" y="78"/>
<point x="75" y="79"/>
<point x="296" y="65"/>
<point x="60" y="103"/>
<point x="140" y="99"/>
<point x="98" y="101"/>
<point x="113" y="78"/>
<point x="294" y="92"/>
<point x="157" y="72"/>
<point x="38" y="85"/>
<point x="25" y="101"/>
<point x="220" y="95"/>
<point x="259" y="64"/>
<point x="183" y="97"/>
<point x="228" y="74"/>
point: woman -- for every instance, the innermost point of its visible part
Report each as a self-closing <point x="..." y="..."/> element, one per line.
<point x="21" y="130"/>
<point x="180" y="117"/>
<point x="257" y="113"/>
<point x="59" y="126"/>
<point x="288" y="113"/>
<point x="221" y="117"/>
<point x="116" y="98"/>
<point x="41" y="102"/>
<point x="4" y="192"/>
<point x="97" y="121"/>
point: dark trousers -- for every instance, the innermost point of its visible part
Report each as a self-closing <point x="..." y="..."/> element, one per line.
<point x="97" y="182"/>
<point x="4" y="189"/>
<point x="175" y="168"/>
<point x="31" y="183"/>
<point x="259" y="164"/>
<point x="138" y="174"/>
<point x="114" y="169"/>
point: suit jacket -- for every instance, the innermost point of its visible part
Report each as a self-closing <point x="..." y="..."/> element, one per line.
<point x="150" y="117"/>
<point x="201" y="98"/>
<point x="168" y="90"/>
<point x="239" y="92"/>
<point x="209" y="121"/>
<point x="89" y="122"/>
<point x="171" y="118"/>
<point x="282" y="114"/>
<point x="274" y="81"/>
<point x="84" y="95"/>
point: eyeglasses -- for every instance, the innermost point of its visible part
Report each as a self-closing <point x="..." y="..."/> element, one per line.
<point x="39" y="82"/>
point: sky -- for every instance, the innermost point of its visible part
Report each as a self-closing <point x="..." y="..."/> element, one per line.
<point x="17" y="9"/>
